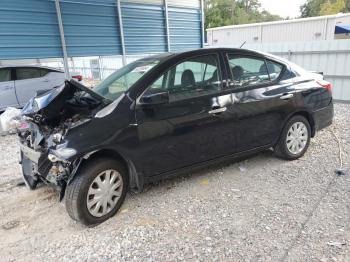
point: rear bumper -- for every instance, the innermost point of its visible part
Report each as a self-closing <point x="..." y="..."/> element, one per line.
<point x="323" y="117"/>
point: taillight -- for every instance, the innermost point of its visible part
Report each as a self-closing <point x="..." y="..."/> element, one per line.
<point x="326" y="85"/>
<point x="78" y="77"/>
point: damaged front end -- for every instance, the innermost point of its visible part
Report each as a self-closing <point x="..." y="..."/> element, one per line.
<point x="47" y="119"/>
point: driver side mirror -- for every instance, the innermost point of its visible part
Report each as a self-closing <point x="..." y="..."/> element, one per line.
<point x="159" y="98"/>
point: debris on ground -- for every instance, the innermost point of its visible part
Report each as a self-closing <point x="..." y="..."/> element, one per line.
<point x="242" y="168"/>
<point x="9" y="120"/>
<point x="205" y="182"/>
<point x="336" y="244"/>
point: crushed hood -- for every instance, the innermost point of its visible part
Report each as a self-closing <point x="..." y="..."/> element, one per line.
<point x="50" y="103"/>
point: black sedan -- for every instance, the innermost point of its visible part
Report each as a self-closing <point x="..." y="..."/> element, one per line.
<point x="163" y="115"/>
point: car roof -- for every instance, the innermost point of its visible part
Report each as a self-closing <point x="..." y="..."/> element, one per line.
<point x="202" y="51"/>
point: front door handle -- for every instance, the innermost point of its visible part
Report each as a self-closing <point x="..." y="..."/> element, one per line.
<point x="217" y="110"/>
<point x="286" y="96"/>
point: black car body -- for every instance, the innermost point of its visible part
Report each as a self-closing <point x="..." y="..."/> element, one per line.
<point x="181" y="111"/>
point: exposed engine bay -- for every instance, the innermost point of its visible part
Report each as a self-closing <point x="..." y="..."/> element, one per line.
<point x="46" y="120"/>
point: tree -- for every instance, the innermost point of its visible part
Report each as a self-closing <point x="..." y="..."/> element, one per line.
<point x="249" y="5"/>
<point x="311" y="8"/>
<point x="324" y="7"/>
<point x="329" y="8"/>
<point x="234" y="12"/>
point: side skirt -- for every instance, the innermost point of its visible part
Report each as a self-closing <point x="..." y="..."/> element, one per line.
<point x="204" y="164"/>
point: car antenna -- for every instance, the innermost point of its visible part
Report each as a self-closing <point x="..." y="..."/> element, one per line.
<point x="243" y="44"/>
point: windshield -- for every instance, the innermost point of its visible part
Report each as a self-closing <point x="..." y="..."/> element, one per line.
<point x="122" y="79"/>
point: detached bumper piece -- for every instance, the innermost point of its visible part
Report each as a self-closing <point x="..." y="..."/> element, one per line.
<point x="31" y="180"/>
<point x="34" y="165"/>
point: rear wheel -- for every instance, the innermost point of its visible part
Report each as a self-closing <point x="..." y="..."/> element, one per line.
<point x="295" y="139"/>
<point x="97" y="191"/>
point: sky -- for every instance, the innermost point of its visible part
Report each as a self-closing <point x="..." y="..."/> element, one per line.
<point x="283" y="8"/>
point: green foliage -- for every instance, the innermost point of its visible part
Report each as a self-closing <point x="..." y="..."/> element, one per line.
<point x="234" y="12"/>
<point x="329" y="8"/>
<point x="324" y="7"/>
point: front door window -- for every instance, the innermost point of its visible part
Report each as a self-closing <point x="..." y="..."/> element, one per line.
<point x="192" y="78"/>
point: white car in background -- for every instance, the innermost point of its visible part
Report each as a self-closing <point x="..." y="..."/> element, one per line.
<point x="20" y="83"/>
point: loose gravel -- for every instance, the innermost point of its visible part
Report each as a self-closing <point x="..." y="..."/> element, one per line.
<point x="258" y="209"/>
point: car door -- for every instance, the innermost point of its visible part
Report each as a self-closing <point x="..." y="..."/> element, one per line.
<point x="28" y="81"/>
<point x="7" y="89"/>
<point x="188" y="129"/>
<point x="258" y="99"/>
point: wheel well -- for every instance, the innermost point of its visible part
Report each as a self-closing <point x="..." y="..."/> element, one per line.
<point x="108" y="153"/>
<point x="309" y="118"/>
<point x="135" y="182"/>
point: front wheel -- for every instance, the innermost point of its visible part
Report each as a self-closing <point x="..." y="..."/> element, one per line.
<point x="295" y="139"/>
<point x="97" y="191"/>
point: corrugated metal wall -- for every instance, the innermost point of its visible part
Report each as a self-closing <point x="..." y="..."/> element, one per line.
<point x="144" y="28"/>
<point x="330" y="57"/>
<point x="309" y="29"/>
<point x="185" y="3"/>
<point x="184" y="28"/>
<point x="90" y="27"/>
<point x="29" y="28"/>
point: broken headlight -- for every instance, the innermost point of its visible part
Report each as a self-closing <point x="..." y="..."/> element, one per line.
<point x="61" y="154"/>
<point x="57" y="138"/>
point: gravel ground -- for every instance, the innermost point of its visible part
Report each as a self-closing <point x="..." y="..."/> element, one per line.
<point x="259" y="209"/>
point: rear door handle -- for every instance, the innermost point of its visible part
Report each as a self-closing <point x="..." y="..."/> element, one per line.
<point x="217" y="111"/>
<point x="286" y="96"/>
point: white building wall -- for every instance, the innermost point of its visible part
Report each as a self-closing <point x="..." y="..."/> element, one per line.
<point x="306" y="29"/>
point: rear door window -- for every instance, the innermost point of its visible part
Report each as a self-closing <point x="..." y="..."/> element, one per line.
<point x="5" y="75"/>
<point x="247" y="71"/>
<point x="275" y="69"/>
<point x="27" y="73"/>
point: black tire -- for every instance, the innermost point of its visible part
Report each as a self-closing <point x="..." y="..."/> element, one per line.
<point x="281" y="149"/>
<point x="77" y="190"/>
